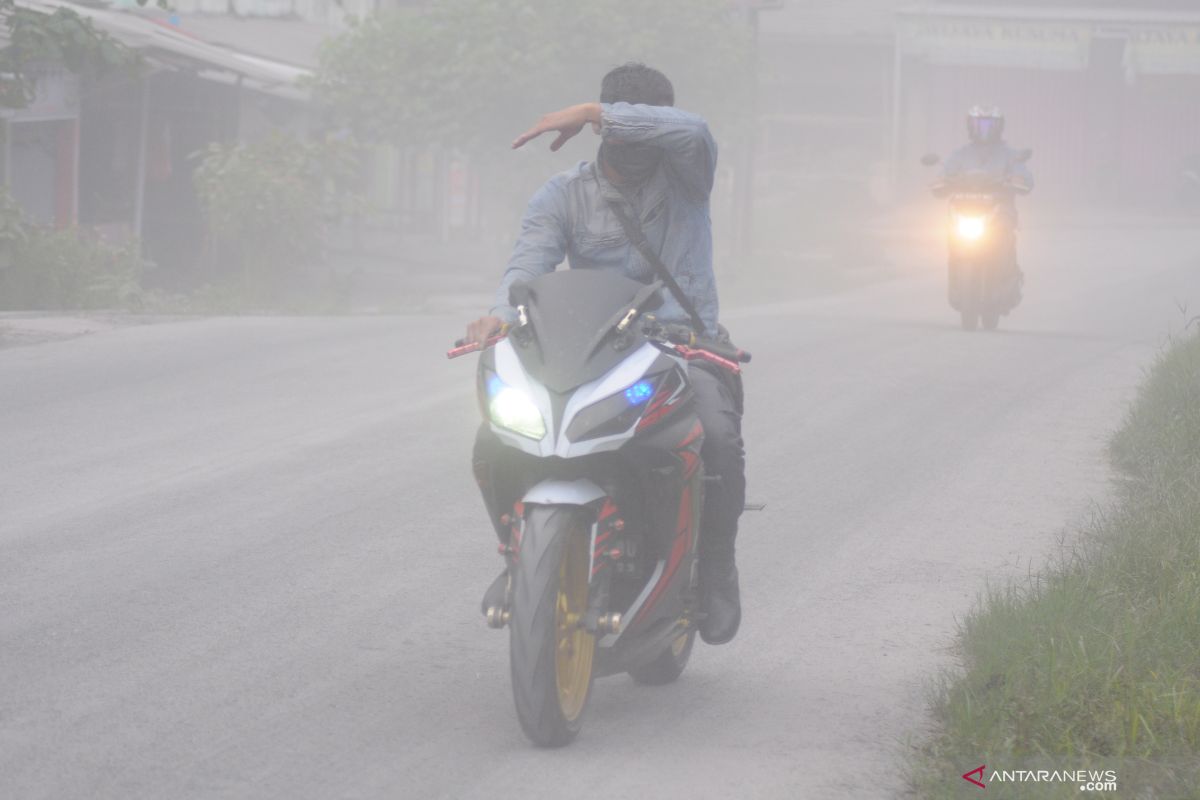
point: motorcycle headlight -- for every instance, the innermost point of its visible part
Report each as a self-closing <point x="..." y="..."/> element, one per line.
<point x="970" y="228"/>
<point x="514" y="410"/>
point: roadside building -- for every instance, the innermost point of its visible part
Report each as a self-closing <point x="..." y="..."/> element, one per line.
<point x="114" y="152"/>
<point x="1107" y="96"/>
<point x="40" y="142"/>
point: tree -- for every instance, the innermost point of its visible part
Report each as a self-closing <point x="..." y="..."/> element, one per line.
<point x="471" y="73"/>
<point x="62" y="38"/>
<point x="468" y="75"/>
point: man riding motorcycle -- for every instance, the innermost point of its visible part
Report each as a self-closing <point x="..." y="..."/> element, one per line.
<point x="653" y="175"/>
<point x="988" y="155"/>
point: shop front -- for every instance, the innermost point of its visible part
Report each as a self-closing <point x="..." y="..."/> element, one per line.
<point x="1109" y="99"/>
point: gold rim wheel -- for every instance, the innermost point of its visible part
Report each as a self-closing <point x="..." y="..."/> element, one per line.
<point x="574" y="646"/>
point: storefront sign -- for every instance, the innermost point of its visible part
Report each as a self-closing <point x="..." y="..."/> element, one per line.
<point x="1163" y="51"/>
<point x="998" y="43"/>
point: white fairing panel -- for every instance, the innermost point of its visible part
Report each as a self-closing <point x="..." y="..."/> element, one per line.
<point x="564" y="493"/>
<point x="555" y="443"/>
<point x="509" y="370"/>
<point x="617" y="379"/>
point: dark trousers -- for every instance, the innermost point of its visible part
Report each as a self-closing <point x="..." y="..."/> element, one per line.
<point x="719" y="408"/>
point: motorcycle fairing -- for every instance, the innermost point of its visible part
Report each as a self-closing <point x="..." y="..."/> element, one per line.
<point x="559" y="412"/>
<point x="571" y="315"/>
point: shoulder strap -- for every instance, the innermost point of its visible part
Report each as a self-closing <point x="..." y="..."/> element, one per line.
<point x="637" y="237"/>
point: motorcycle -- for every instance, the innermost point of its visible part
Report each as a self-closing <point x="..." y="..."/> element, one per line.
<point x="984" y="283"/>
<point x="589" y="398"/>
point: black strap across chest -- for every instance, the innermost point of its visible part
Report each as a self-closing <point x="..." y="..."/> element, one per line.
<point x="637" y="237"/>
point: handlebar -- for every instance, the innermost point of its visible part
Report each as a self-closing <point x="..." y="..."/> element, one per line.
<point x="714" y="352"/>
<point x="696" y="354"/>
<point x="462" y="347"/>
<point x="726" y="352"/>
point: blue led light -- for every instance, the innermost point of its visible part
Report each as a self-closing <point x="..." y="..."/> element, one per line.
<point x="639" y="393"/>
<point x="494" y="385"/>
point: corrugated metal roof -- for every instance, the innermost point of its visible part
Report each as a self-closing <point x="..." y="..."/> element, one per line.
<point x="288" y="41"/>
<point x="165" y="44"/>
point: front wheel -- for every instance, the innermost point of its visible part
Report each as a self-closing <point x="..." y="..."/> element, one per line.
<point x="550" y="652"/>
<point x="668" y="666"/>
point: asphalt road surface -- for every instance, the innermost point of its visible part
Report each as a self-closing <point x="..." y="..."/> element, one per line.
<point x="243" y="557"/>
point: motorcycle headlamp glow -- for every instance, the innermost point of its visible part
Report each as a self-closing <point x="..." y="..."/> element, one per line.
<point x="514" y="410"/>
<point x="970" y="228"/>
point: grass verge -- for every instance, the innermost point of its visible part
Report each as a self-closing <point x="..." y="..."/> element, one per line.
<point x="1094" y="664"/>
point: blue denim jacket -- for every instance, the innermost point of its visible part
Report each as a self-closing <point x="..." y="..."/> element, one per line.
<point x="570" y="218"/>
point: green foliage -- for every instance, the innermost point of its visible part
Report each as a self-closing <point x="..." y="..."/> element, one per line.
<point x="60" y="39"/>
<point x="468" y="73"/>
<point x="1097" y="663"/>
<point x="46" y="268"/>
<point x="266" y="204"/>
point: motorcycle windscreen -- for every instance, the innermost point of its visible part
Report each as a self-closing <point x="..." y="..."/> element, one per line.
<point x="573" y="314"/>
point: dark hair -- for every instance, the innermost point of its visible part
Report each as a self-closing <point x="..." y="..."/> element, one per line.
<point x="636" y="83"/>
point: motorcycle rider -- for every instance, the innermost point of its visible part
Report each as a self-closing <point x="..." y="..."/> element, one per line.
<point x="987" y="153"/>
<point x="657" y="163"/>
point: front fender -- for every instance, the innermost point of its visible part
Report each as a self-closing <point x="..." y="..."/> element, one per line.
<point x="564" y="493"/>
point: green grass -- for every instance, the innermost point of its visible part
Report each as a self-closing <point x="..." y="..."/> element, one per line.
<point x="1095" y="662"/>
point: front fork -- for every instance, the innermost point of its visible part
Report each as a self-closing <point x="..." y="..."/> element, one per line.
<point x="610" y="553"/>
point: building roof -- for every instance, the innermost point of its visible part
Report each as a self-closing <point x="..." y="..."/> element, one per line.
<point x="168" y="45"/>
<point x="287" y="41"/>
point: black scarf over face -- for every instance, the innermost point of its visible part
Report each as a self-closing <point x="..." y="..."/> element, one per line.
<point x="635" y="163"/>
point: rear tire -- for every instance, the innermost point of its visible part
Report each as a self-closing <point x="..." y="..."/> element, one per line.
<point x="668" y="666"/>
<point x="550" y="654"/>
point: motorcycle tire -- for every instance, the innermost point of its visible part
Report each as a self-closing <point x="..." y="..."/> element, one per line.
<point x="991" y="321"/>
<point x="970" y="320"/>
<point x="668" y="666"/>
<point x="550" y="654"/>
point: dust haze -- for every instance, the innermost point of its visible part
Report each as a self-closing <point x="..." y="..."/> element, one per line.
<point x="241" y="543"/>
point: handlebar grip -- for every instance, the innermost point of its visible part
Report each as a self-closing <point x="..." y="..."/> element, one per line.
<point x="728" y="353"/>
<point x="462" y="347"/>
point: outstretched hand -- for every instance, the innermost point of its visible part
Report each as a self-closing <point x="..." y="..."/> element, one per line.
<point x="568" y="122"/>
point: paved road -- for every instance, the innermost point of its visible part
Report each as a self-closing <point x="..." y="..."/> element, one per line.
<point x="242" y="557"/>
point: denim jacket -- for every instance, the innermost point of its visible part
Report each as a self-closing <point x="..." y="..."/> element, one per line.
<point x="570" y="218"/>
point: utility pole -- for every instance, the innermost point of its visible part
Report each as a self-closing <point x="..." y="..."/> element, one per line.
<point x="744" y="173"/>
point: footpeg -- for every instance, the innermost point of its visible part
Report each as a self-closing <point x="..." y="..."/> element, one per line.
<point x="498" y="617"/>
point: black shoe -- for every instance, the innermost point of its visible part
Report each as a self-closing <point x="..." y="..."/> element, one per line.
<point x="720" y="604"/>
<point x="494" y="596"/>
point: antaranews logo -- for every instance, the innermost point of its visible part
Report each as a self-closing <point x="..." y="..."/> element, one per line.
<point x="975" y="776"/>
<point x="1088" y="780"/>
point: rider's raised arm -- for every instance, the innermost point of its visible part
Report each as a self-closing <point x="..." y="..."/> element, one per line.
<point x="541" y="246"/>
<point x="687" y="144"/>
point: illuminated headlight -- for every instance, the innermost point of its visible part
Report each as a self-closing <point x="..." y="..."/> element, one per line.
<point x="970" y="228"/>
<point x="515" y="410"/>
